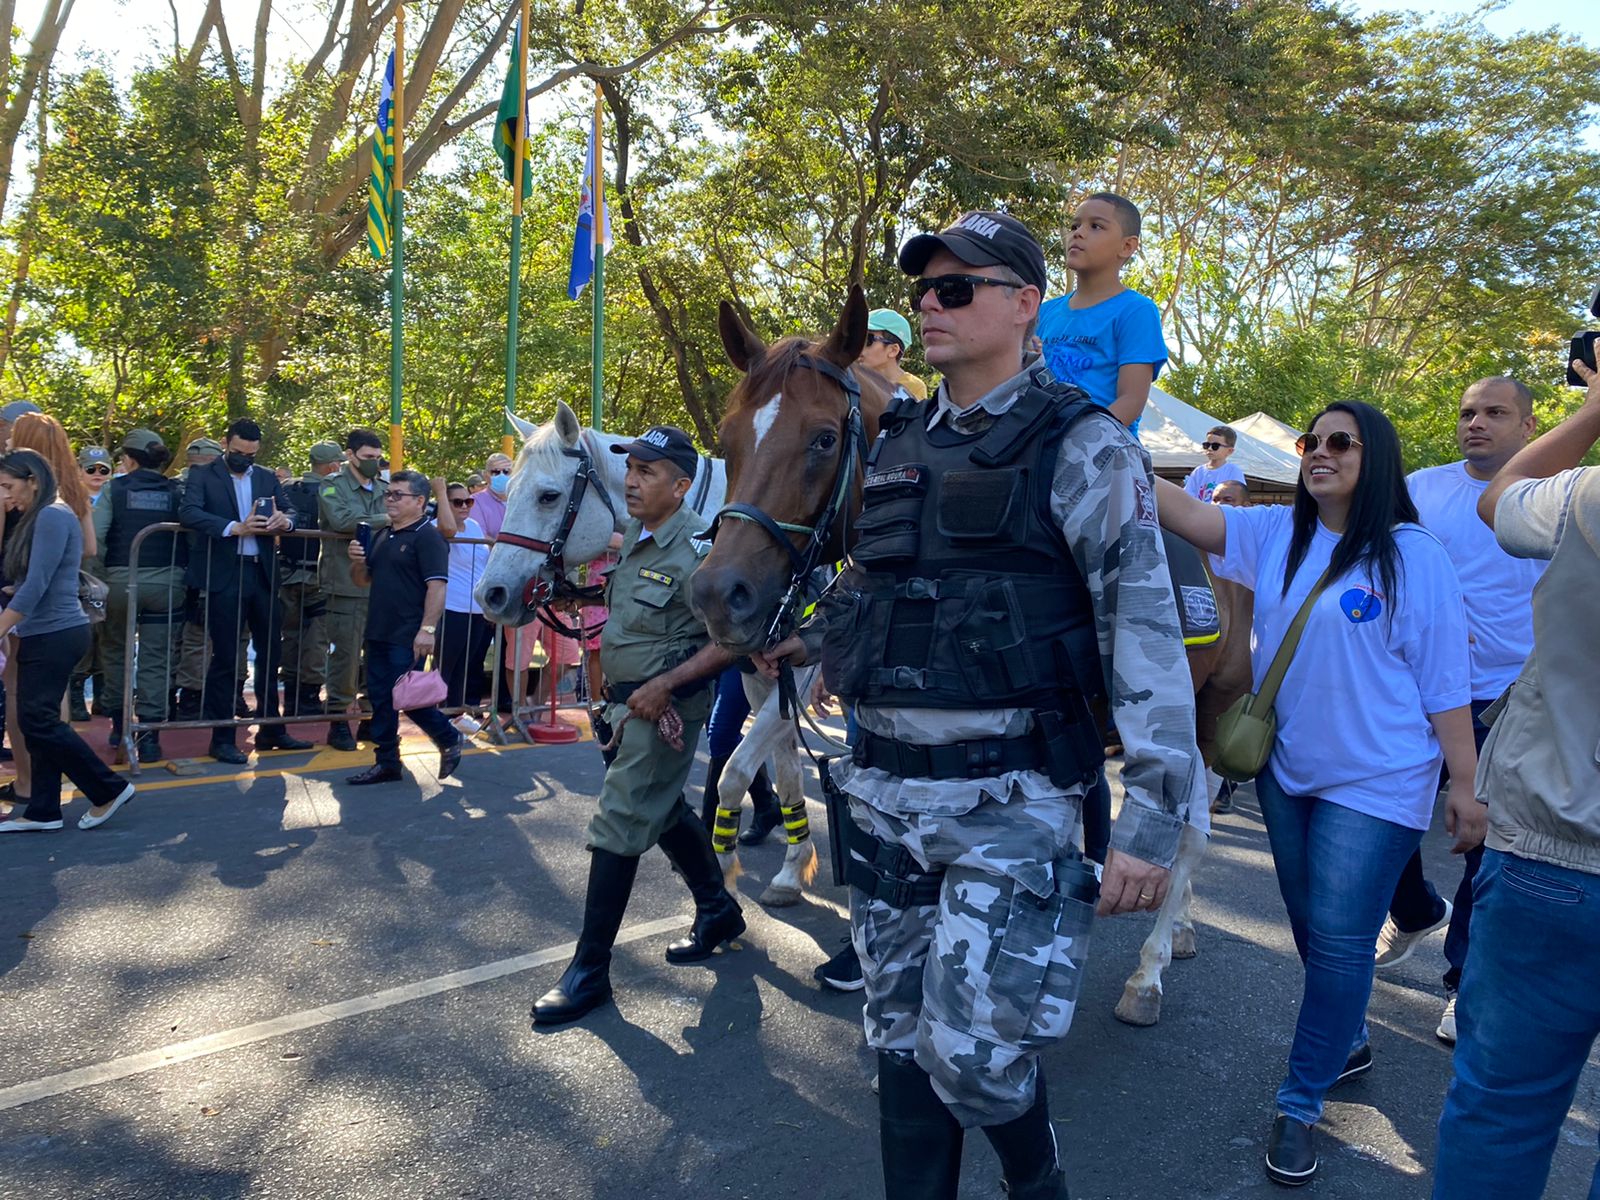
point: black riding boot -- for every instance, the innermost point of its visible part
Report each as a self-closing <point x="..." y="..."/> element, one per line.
<point x="586" y="983"/>
<point x="921" y="1139"/>
<point x="768" y="816"/>
<point x="717" y="916"/>
<point x="1026" y="1148"/>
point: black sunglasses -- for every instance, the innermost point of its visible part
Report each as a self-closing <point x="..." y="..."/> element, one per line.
<point x="882" y="339"/>
<point x="454" y="503"/>
<point x="99" y="469"/>
<point x="1339" y="442"/>
<point x="953" y="291"/>
<point x="500" y="471"/>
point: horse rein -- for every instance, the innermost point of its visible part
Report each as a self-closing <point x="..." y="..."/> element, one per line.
<point x="817" y="535"/>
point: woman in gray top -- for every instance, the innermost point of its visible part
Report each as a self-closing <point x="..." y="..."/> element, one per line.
<point x="51" y="634"/>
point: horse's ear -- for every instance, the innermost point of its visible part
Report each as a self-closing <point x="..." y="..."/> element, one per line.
<point x="567" y="427"/>
<point x="849" y="336"/>
<point x="526" y="428"/>
<point x="744" y="348"/>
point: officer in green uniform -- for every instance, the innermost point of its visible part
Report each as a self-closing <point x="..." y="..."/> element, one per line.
<point x="351" y="496"/>
<point x="194" y="654"/>
<point x="305" y="603"/>
<point x="135" y="500"/>
<point x="655" y="654"/>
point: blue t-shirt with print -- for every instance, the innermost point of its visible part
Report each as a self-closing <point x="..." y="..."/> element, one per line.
<point x="1088" y="346"/>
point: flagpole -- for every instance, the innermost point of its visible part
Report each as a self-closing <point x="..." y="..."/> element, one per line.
<point x="597" y="402"/>
<point x="397" y="279"/>
<point x="508" y="442"/>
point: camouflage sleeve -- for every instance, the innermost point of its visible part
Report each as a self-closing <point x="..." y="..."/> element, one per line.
<point x="1104" y="502"/>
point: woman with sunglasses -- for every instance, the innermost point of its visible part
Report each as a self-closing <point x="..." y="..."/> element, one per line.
<point x="1377" y="693"/>
<point x="51" y="633"/>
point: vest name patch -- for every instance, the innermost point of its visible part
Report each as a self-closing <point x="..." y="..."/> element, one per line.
<point x="911" y="473"/>
<point x="655" y="576"/>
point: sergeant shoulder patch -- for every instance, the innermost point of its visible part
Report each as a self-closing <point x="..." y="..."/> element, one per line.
<point x="655" y="576"/>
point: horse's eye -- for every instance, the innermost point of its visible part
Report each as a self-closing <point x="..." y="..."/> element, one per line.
<point x="549" y="497"/>
<point x="825" y="441"/>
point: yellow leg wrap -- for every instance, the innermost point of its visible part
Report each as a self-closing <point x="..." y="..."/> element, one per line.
<point x="724" y="829"/>
<point x="795" y="823"/>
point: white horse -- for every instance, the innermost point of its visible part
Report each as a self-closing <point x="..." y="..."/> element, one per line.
<point x="547" y="470"/>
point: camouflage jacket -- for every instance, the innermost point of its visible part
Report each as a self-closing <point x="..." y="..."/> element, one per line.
<point x="1104" y="501"/>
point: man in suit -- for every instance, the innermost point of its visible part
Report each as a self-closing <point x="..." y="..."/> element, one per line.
<point x="231" y="507"/>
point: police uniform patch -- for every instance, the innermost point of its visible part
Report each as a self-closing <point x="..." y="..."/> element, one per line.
<point x="911" y="473"/>
<point x="1144" y="504"/>
<point x="655" y="576"/>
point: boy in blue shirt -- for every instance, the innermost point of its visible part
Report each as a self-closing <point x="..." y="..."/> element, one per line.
<point x="1104" y="337"/>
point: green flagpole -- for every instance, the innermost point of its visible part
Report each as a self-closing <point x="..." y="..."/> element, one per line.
<point x="597" y="401"/>
<point x="397" y="278"/>
<point x="508" y="442"/>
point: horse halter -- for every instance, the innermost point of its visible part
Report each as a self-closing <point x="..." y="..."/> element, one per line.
<point x="804" y="562"/>
<point x="550" y="582"/>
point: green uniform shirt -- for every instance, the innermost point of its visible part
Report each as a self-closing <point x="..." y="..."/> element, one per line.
<point x="650" y="628"/>
<point x="343" y="505"/>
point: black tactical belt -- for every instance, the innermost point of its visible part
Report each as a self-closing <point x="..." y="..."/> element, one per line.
<point x="956" y="760"/>
<point x="618" y="693"/>
<point x="890" y="873"/>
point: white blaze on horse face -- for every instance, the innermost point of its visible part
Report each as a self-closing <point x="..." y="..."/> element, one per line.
<point x="766" y="416"/>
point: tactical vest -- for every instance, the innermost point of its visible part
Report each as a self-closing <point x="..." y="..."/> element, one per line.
<point x="302" y="552"/>
<point x="140" y="499"/>
<point x="967" y="595"/>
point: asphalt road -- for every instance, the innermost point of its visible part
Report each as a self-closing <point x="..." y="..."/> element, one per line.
<point x="211" y="909"/>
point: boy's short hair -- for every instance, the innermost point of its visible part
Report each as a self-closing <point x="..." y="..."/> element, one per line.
<point x="1223" y="433"/>
<point x="1127" y="212"/>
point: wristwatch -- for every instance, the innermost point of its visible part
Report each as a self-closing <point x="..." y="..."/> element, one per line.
<point x="429" y="629"/>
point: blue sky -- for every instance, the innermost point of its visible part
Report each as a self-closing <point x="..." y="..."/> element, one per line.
<point x="1581" y="17"/>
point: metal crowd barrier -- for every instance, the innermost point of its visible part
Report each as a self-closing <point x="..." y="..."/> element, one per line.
<point x="290" y="712"/>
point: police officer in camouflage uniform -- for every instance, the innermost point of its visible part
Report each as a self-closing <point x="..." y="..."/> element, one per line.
<point x="140" y="497"/>
<point x="194" y="654"/>
<point x="655" y="653"/>
<point x="351" y="497"/>
<point x="305" y="603"/>
<point x="1008" y="577"/>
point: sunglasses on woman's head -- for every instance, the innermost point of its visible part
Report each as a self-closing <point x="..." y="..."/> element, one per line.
<point x="1338" y="442"/>
<point x="98" y="469"/>
<point x="953" y="291"/>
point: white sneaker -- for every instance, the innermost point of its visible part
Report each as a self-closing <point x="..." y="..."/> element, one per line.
<point x="1447" y="1023"/>
<point x="1395" y="945"/>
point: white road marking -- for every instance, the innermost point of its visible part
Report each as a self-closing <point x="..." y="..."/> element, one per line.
<point x="246" y="1035"/>
<point x="766" y="415"/>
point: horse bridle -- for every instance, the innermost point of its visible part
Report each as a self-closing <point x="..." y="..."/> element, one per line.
<point x="551" y="582"/>
<point x="818" y="535"/>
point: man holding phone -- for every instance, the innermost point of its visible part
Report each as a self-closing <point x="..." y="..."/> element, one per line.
<point x="231" y="508"/>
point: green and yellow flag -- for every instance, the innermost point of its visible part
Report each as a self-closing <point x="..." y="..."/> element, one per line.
<point x="380" y="187"/>
<point x="514" y="108"/>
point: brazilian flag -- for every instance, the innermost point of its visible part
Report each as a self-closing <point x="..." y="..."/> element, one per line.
<point x="380" y="186"/>
<point x="514" y="108"/>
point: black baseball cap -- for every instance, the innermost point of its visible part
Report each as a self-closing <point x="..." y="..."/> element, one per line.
<point x="981" y="239"/>
<point x="663" y="441"/>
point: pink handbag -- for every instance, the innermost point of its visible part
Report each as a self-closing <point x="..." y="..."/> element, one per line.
<point x="418" y="689"/>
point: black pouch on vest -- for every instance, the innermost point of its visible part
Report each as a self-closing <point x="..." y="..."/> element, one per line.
<point x="1074" y="751"/>
<point x="887" y="530"/>
<point x="847" y="645"/>
<point x="990" y="631"/>
<point x="988" y="506"/>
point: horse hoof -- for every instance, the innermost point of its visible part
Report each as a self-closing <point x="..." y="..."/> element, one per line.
<point x="1183" y="942"/>
<point x="780" y="896"/>
<point x="1139" y="1006"/>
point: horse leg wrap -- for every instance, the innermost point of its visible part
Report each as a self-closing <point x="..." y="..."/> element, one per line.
<point x="725" y="830"/>
<point x="795" y="822"/>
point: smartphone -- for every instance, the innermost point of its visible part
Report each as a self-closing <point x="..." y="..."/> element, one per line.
<point x="263" y="507"/>
<point x="364" y="536"/>
<point x="1582" y="351"/>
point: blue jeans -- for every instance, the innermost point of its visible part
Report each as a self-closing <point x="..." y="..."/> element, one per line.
<point x="1336" y="870"/>
<point x="728" y="712"/>
<point x="1526" y="1019"/>
<point x="386" y="662"/>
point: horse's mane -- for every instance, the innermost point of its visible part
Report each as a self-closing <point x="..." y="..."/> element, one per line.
<point x="757" y="387"/>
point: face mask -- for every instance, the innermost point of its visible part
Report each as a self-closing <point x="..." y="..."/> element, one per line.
<point x="239" y="463"/>
<point x="367" y="468"/>
<point x="499" y="484"/>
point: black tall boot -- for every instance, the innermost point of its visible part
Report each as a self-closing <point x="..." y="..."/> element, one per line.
<point x="717" y="916"/>
<point x="1026" y="1148"/>
<point x="767" y="814"/>
<point x="586" y="983"/>
<point x="78" y="707"/>
<point x="920" y="1138"/>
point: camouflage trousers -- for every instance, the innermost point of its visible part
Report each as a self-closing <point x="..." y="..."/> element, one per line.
<point x="977" y="985"/>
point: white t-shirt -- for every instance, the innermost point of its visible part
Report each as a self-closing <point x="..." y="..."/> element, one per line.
<point x="467" y="564"/>
<point x="1203" y="480"/>
<point x="1497" y="588"/>
<point x="1353" y="710"/>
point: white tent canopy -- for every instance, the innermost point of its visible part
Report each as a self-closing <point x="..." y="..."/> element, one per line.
<point x="1268" y="429"/>
<point x="1172" y="432"/>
